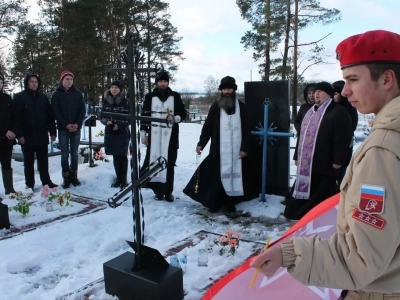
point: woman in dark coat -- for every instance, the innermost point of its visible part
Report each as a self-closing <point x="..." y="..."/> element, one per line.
<point x="343" y="101"/>
<point x="117" y="134"/>
<point x="7" y="138"/>
<point x="309" y="99"/>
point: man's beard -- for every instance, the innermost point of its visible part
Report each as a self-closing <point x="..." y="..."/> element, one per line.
<point x="227" y="101"/>
<point x="162" y="89"/>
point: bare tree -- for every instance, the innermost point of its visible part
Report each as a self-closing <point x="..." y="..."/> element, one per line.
<point x="211" y="85"/>
<point x="187" y="97"/>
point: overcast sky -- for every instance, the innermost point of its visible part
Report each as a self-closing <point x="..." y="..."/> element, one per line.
<point x="212" y="29"/>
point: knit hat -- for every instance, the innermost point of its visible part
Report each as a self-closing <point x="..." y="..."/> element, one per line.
<point x="228" y="82"/>
<point x="163" y="76"/>
<point x="376" y="46"/>
<point x="338" y="86"/>
<point x="326" y="87"/>
<point x="66" y="73"/>
<point x="118" y="83"/>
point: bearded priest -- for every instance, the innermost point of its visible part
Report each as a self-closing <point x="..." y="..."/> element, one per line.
<point x="222" y="179"/>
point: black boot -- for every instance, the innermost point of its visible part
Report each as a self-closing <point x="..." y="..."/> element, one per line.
<point x="124" y="173"/>
<point x="66" y="183"/>
<point x="73" y="177"/>
<point x="52" y="185"/>
<point x="117" y="167"/>
<point x="158" y="197"/>
<point x="169" y="197"/>
<point x="8" y="181"/>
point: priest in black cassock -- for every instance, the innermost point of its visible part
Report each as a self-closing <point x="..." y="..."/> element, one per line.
<point x="223" y="178"/>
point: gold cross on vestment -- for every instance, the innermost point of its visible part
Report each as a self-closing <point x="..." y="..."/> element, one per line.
<point x="169" y="111"/>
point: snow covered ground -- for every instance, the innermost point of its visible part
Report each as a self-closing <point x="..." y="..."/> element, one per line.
<point x="62" y="256"/>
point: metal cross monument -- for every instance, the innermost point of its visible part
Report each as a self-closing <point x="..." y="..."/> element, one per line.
<point x="266" y="133"/>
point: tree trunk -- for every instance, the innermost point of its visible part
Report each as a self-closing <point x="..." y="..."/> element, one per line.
<point x="267" y="68"/>
<point x="63" y="34"/>
<point x="148" y="49"/>
<point x="287" y="33"/>
<point x="113" y="33"/>
<point x="295" y="42"/>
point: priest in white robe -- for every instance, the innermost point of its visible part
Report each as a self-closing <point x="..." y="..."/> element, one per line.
<point x="162" y="140"/>
<point x="223" y="178"/>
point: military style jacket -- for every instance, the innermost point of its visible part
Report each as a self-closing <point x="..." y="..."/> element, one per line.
<point x="364" y="254"/>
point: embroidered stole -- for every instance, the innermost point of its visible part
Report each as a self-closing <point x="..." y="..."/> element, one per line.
<point x="160" y="134"/>
<point x="305" y="152"/>
<point x="230" y="143"/>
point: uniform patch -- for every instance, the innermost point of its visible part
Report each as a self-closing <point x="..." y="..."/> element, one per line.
<point x="368" y="219"/>
<point x="372" y="199"/>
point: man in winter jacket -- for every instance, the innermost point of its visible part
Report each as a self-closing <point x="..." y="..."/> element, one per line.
<point x="7" y="138"/>
<point x="363" y="257"/>
<point x="343" y="101"/>
<point x="35" y="122"/>
<point x="69" y="111"/>
<point x="309" y="99"/>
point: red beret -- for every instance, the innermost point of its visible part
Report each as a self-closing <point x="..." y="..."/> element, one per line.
<point x="377" y="46"/>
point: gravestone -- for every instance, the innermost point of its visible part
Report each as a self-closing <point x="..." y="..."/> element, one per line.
<point x="278" y="153"/>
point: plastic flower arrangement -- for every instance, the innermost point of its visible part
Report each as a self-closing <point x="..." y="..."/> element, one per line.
<point x="228" y="242"/>
<point x="101" y="133"/>
<point x="99" y="155"/>
<point x="63" y="199"/>
<point x="23" y="205"/>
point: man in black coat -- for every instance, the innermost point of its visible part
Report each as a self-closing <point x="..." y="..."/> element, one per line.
<point x="309" y="99"/>
<point x="7" y="138"/>
<point x="69" y="110"/>
<point x="343" y="101"/>
<point x="162" y="140"/>
<point x="321" y="149"/>
<point x="35" y="122"/>
<point x="223" y="178"/>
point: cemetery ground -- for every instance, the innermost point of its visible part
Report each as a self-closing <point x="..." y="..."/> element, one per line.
<point x="60" y="254"/>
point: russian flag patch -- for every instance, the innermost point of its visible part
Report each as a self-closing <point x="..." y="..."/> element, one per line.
<point x="372" y="199"/>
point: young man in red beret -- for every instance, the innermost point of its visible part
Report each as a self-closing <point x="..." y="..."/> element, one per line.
<point x="363" y="257"/>
<point x="69" y="111"/>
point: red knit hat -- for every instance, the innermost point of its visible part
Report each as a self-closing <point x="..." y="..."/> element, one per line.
<point x="377" y="46"/>
<point x="66" y="73"/>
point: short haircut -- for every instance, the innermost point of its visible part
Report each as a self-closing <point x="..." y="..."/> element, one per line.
<point x="377" y="70"/>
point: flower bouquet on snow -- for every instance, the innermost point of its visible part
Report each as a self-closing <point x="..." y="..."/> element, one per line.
<point x="52" y="195"/>
<point x="228" y="243"/>
<point x="99" y="155"/>
<point x="23" y="203"/>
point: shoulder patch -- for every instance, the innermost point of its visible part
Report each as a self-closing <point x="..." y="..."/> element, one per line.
<point x="366" y="218"/>
<point x="372" y="199"/>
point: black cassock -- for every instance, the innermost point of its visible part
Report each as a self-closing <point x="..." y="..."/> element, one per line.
<point x="210" y="191"/>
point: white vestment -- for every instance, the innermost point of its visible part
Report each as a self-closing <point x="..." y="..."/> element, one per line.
<point x="160" y="133"/>
<point x="230" y="144"/>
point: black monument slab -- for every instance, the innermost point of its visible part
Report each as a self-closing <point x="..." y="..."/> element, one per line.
<point x="157" y="282"/>
<point x="277" y="154"/>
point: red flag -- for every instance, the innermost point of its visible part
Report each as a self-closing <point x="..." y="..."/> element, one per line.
<point x="236" y="285"/>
